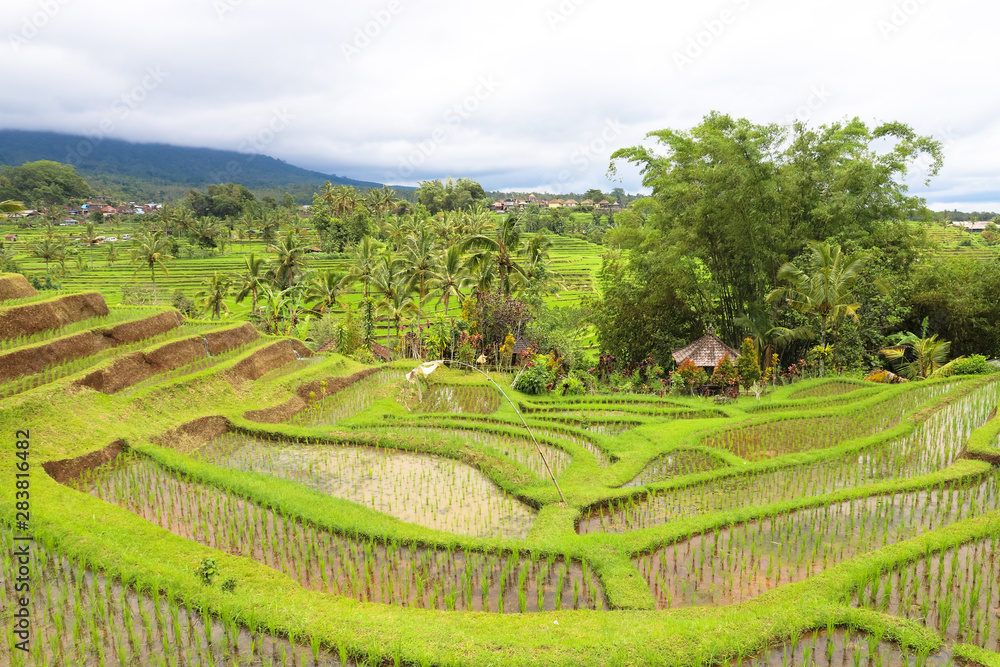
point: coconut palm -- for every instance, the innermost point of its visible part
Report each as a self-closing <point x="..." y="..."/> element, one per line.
<point x="420" y="262"/>
<point x="824" y="291"/>
<point x="48" y="249"/>
<point x="212" y="296"/>
<point x="396" y="229"/>
<point x="89" y="236"/>
<point x="920" y="357"/>
<point x="363" y="265"/>
<point x="501" y="248"/>
<point x="153" y="250"/>
<point x="290" y="263"/>
<point x="112" y="253"/>
<point x="451" y="277"/>
<point x="251" y="280"/>
<point x="325" y="289"/>
<point x="10" y="207"/>
<point x="388" y="282"/>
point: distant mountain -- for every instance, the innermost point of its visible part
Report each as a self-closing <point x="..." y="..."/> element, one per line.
<point x="161" y="171"/>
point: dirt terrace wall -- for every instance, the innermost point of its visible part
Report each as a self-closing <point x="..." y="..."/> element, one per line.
<point x="264" y="360"/>
<point x="65" y="470"/>
<point x="35" y="317"/>
<point x="15" y="286"/>
<point x="282" y="411"/>
<point x="223" y="341"/>
<point x="138" y="366"/>
<point x="193" y="434"/>
<point x="35" y="359"/>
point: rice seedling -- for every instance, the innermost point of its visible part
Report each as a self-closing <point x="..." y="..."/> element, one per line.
<point x="740" y="562"/>
<point x="826" y="390"/>
<point x="676" y="464"/>
<point x="458" y="399"/>
<point x="933" y="445"/>
<point x="428" y="490"/>
<point x="349" y="401"/>
<point x="387" y="572"/>
<point x="956" y="592"/>
<point x="841" y="648"/>
<point x="88" y="619"/>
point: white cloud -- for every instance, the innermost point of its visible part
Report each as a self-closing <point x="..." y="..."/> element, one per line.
<point x="369" y="82"/>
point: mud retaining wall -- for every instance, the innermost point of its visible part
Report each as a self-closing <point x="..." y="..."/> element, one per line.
<point x="138" y="366"/>
<point x="15" y="286"/>
<point x="33" y="318"/>
<point x="282" y="411"/>
<point x="31" y="360"/>
<point x="67" y="469"/>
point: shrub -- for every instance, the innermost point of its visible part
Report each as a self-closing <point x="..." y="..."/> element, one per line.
<point x="975" y="364"/>
<point x="533" y="379"/>
<point x="229" y="584"/>
<point x="748" y="365"/>
<point x="207" y="570"/>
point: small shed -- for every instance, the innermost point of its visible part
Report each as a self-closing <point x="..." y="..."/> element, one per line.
<point x="706" y="351"/>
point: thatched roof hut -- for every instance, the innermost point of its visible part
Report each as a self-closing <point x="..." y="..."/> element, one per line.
<point x="706" y="351"/>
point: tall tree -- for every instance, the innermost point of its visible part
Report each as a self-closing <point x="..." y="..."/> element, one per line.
<point x="451" y="276"/>
<point x="502" y="248"/>
<point x="824" y="290"/>
<point x="290" y="262"/>
<point x="153" y="250"/>
<point x="212" y="296"/>
<point x="251" y="280"/>
<point x="745" y="198"/>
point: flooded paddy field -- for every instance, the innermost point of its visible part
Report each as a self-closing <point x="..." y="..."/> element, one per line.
<point x="81" y="617"/>
<point x="955" y="592"/>
<point x="843" y="648"/>
<point x="933" y="444"/>
<point x="737" y="563"/>
<point x="333" y="408"/>
<point x="370" y="570"/>
<point x="676" y="464"/>
<point x="432" y="491"/>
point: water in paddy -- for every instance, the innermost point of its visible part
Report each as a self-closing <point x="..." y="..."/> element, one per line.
<point x="934" y="444"/>
<point x="954" y="592"/>
<point x="555" y="433"/>
<point x="364" y="569"/>
<point x="427" y="490"/>
<point x="827" y="390"/>
<point x="349" y="401"/>
<point x="675" y="464"/>
<point x="458" y="399"/>
<point x="757" y="442"/>
<point x="80" y="617"/>
<point x="738" y="563"/>
<point x="843" y="648"/>
<point x="517" y="448"/>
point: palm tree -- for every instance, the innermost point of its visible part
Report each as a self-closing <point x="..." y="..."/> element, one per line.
<point x="90" y="236"/>
<point x="825" y="290"/>
<point x="398" y="303"/>
<point x="388" y="283"/>
<point x="501" y="249"/>
<point x="9" y="207"/>
<point x="920" y="357"/>
<point x="451" y="277"/>
<point x="213" y="295"/>
<point x="325" y="289"/>
<point x="291" y="260"/>
<point x="365" y="259"/>
<point x="768" y="337"/>
<point x="252" y="280"/>
<point x="49" y="249"/>
<point x="112" y="254"/>
<point x="152" y="249"/>
<point x="396" y="230"/>
<point x="420" y="265"/>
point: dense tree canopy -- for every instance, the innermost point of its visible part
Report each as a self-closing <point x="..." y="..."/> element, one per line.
<point x="451" y="195"/>
<point x="745" y="198"/>
<point x="42" y="183"/>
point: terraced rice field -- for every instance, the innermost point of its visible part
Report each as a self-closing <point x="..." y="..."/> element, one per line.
<point x="343" y="522"/>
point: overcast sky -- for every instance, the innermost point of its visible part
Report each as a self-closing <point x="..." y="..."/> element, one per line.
<point x="516" y="94"/>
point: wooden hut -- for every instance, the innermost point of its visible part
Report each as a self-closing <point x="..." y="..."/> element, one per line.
<point x="706" y="351"/>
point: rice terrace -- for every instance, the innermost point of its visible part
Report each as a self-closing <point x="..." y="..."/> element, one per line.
<point x="372" y="431"/>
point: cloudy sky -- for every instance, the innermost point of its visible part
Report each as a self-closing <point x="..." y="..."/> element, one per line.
<point x="516" y="94"/>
